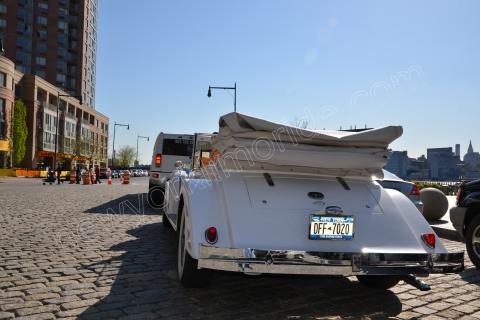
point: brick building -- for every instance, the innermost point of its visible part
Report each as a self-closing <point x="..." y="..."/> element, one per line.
<point x="82" y="131"/>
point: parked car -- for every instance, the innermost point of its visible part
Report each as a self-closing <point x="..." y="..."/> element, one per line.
<point x="103" y="173"/>
<point x="169" y="148"/>
<point x="465" y="218"/>
<point x="410" y="189"/>
<point x="268" y="198"/>
<point x="115" y="174"/>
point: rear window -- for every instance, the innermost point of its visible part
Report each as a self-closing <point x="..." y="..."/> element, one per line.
<point x="387" y="175"/>
<point x="177" y="147"/>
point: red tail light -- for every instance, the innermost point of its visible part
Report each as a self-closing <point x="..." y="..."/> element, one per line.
<point x="429" y="239"/>
<point x="211" y="235"/>
<point x="415" y="191"/>
<point x="158" y="159"/>
<point x="155" y="175"/>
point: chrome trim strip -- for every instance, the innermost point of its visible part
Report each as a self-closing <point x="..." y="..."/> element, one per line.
<point x="327" y="263"/>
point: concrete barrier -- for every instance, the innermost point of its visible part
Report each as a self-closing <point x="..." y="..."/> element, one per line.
<point x="435" y="203"/>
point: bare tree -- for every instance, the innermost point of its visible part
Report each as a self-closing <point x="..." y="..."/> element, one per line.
<point x="301" y="123"/>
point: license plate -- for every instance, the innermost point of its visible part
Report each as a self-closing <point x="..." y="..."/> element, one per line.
<point x="331" y="227"/>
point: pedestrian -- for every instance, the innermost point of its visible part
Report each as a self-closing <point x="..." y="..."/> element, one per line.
<point x="92" y="175"/>
<point x="79" y="174"/>
<point x="97" y="174"/>
<point x="59" y="173"/>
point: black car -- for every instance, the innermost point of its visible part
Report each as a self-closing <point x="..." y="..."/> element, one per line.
<point x="465" y="218"/>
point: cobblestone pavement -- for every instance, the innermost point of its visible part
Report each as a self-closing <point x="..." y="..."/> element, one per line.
<point x="85" y="251"/>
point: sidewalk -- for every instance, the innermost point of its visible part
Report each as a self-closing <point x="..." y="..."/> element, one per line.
<point x="444" y="228"/>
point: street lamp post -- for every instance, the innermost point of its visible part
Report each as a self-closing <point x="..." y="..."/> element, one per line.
<point x="58" y="124"/>
<point x="114" y="127"/>
<point x="147" y="138"/>
<point x="234" y="88"/>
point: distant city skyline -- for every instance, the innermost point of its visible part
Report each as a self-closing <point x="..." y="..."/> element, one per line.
<point x="444" y="163"/>
<point x="409" y="63"/>
<point x="463" y="150"/>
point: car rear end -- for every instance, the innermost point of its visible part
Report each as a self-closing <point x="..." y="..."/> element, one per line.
<point x="169" y="148"/>
<point x="282" y="223"/>
<point x="467" y="205"/>
<point x="409" y="189"/>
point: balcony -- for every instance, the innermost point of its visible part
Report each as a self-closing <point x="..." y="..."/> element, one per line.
<point x="42" y="103"/>
<point x="71" y="116"/>
<point x="52" y="107"/>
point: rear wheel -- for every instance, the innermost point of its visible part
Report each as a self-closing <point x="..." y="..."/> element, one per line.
<point x="472" y="237"/>
<point x="156" y="195"/>
<point x="187" y="267"/>
<point x="379" y="282"/>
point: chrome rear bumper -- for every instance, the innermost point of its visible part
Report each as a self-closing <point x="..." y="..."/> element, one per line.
<point x="328" y="263"/>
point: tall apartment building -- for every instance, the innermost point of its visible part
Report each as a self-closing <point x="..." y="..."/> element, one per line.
<point x="55" y="40"/>
<point x="49" y="60"/>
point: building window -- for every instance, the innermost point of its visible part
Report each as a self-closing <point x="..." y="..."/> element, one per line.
<point x="41" y="61"/>
<point x="63" y="12"/>
<point x="61" y="77"/>
<point x="3" y="23"/>
<point x="48" y="140"/>
<point x="50" y="123"/>
<point x="41" y="73"/>
<point x="3" y="79"/>
<point x="41" y="20"/>
<point x="62" y="25"/>
<point x="22" y="68"/>
<point x="3" y="8"/>
<point x="42" y="34"/>
<point x="41" y="47"/>
<point x="2" y="119"/>
<point x="43" y="5"/>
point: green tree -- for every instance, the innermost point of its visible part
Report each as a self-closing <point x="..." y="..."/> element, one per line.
<point x="125" y="155"/>
<point x="19" y="132"/>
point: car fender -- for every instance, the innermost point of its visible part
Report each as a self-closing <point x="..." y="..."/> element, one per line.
<point x="398" y="203"/>
<point x="206" y="208"/>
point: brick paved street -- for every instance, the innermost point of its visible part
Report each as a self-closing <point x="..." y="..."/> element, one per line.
<point x="68" y="251"/>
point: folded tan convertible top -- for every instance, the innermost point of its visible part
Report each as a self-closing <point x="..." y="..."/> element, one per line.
<point x="251" y="143"/>
<point x="238" y="125"/>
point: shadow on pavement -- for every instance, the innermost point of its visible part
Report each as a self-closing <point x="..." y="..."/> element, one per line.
<point x="438" y="222"/>
<point x="128" y="204"/>
<point x="471" y="275"/>
<point x="146" y="286"/>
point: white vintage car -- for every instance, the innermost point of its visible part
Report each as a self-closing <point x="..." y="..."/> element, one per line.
<point x="267" y="198"/>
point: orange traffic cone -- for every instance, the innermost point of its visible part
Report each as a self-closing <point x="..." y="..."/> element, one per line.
<point x="109" y="180"/>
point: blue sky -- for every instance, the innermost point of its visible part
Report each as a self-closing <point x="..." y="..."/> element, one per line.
<point x="335" y="63"/>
